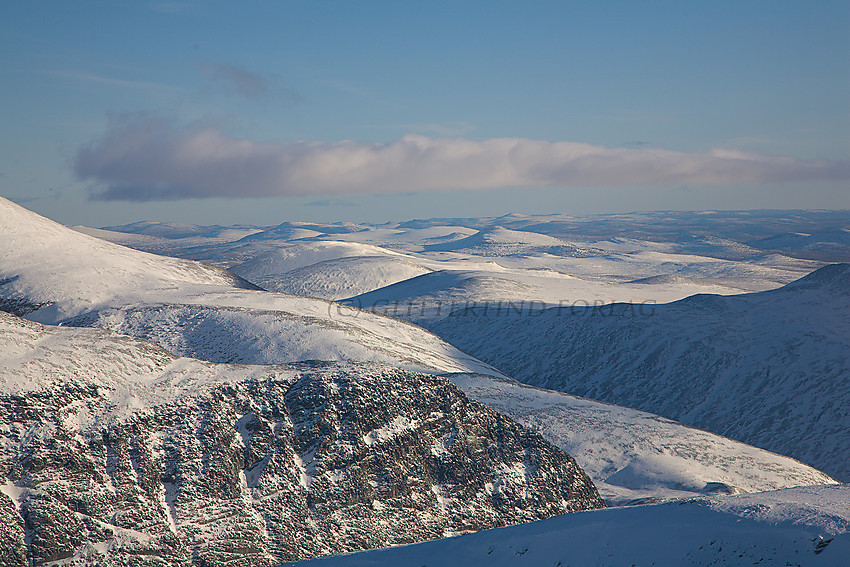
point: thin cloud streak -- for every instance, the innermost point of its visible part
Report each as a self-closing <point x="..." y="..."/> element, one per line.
<point x="149" y="158"/>
<point x="109" y="81"/>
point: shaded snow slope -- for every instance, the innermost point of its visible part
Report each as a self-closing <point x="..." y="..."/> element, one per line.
<point x="435" y="295"/>
<point x="771" y="368"/>
<point x="799" y="526"/>
<point x="634" y="456"/>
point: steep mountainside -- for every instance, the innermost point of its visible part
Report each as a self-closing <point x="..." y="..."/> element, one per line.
<point x="771" y="368"/>
<point x="114" y="452"/>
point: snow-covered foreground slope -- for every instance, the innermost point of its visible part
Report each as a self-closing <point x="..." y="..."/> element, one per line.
<point x="53" y="274"/>
<point x="799" y="526"/>
<point x="771" y="368"/>
<point x="115" y="452"/>
<point x="634" y="456"/>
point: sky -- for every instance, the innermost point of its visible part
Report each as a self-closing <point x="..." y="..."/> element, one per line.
<point x="263" y="112"/>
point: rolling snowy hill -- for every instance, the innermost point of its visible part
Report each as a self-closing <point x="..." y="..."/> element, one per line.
<point x="326" y="269"/>
<point x="498" y="241"/>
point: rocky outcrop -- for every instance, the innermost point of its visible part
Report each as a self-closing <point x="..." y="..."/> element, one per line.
<point x="286" y="462"/>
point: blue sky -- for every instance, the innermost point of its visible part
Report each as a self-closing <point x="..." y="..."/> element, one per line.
<point x="261" y="112"/>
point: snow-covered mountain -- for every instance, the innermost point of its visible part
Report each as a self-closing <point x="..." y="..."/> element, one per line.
<point x="362" y="430"/>
<point x="498" y="241"/>
<point x="771" y="368"/>
<point x="328" y="269"/>
<point x="52" y="274"/>
<point x="800" y="526"/>
<point x="115" y="452"/>
<point x="226" y="325"/>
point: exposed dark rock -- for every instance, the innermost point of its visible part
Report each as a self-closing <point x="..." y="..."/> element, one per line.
<point x="305" y="460"/>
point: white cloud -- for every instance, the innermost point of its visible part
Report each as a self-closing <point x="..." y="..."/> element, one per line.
<point x="149" y="158"/>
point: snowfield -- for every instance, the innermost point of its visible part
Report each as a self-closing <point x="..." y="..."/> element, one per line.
<point x="52" y="274"/>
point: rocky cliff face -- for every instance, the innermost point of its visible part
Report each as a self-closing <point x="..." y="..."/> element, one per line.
<point x="216" y="464"/>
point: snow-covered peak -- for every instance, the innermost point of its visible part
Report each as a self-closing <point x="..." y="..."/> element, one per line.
<point x="43" y="263"/>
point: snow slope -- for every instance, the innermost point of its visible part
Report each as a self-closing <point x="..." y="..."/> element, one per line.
<point x="771" y="368"/>
<point x="291" y="256"/>
<point x="433" y="296"/>
<point x="344" y="277"/>
<point x="634" y="456"/>
<point x="798" y="526"/>
<point x="498" y="241"/>
<point x="45" y="263"/>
